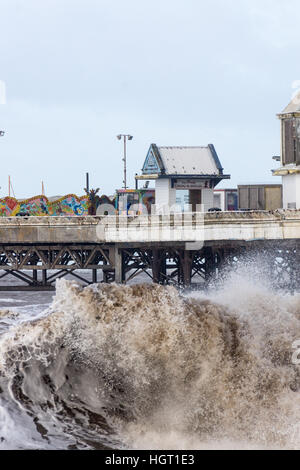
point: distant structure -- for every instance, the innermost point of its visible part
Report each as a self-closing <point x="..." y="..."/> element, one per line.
<point x="226" y="199"/>
<point x="260" y="197"/>
<point x="196" y="169"/>
<point x="134" y="201"/>
<point x="93" y="200"/>
<point x="290" y="154"/>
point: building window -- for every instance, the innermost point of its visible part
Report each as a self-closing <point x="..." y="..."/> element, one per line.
<point x="291" y="152"/>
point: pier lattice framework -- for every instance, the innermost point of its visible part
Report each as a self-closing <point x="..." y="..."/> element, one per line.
<point x="37" y="267"/>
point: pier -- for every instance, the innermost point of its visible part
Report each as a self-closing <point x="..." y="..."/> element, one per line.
<point x="180" y="249"/>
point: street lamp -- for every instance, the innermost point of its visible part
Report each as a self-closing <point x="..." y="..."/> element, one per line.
<point x="125" y="138"/>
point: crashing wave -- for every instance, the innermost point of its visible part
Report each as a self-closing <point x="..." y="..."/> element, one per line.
<point x="142" y="366"/>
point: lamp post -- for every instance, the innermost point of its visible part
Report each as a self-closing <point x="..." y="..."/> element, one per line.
<point x="125" y="138"/>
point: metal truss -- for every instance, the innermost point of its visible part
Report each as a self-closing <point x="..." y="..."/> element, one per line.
<point x="23" y="262"/>
<point x="280" y="263"/>
<point x="169" y="266"/>
<point x="39" y="266"/>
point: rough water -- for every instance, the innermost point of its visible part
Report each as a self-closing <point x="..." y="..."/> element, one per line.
<point x="144" y="367"/>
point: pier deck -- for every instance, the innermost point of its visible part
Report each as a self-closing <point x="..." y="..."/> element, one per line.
<point x="174" y="249"/>
<point x="247" y="226"/>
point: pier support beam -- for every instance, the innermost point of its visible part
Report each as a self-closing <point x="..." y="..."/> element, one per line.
<point x="186" y="268"/>
<point x="44" y="277"/>
<point x="158" y="266"/>
<point x="34" y="277"/>
<point x="118" y="262"/>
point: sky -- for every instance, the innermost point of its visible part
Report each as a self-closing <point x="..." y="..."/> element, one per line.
<point x="172" y="72"/>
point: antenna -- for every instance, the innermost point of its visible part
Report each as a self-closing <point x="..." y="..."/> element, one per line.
<point x="10" y="187"/>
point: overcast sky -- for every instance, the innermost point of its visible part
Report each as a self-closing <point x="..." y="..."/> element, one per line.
<point x="188" y="72"/>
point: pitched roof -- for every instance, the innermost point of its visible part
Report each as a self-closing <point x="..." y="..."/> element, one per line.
<point x="293" y="106"/>
<point x="183" y="161"/>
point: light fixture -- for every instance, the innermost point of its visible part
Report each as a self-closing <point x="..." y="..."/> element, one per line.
<point x="125" y="138"/>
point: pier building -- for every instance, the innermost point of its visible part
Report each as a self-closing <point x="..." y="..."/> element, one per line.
<point x="197" y="170"/>
<point x="290" y="154"/>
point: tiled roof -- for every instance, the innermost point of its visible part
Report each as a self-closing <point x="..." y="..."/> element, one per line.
<point x="190" y="160"/>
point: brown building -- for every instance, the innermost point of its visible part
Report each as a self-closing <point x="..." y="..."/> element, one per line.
<point x="264" y="197"/>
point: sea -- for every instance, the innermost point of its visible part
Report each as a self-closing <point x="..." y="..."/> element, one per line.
<point x="145" y="366"/>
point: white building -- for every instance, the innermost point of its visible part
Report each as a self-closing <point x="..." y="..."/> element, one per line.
<point x="226" y="199"/>
<point x="290" y="154"/>
<point x="196" y="169"/>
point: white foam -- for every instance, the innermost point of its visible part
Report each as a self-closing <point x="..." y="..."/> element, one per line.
<point x="212" y="370"/>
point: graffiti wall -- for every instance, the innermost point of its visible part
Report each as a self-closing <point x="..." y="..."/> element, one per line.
<point x="69" y="205"/>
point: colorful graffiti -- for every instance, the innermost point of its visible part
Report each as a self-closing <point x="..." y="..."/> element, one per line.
<point x="69" y="205"/>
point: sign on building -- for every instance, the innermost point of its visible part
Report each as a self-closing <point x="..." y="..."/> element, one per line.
<point x="191" y="184"/>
